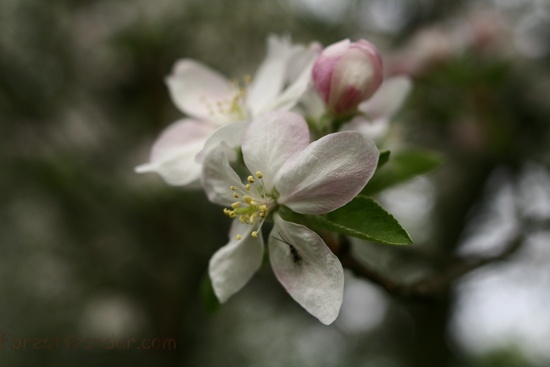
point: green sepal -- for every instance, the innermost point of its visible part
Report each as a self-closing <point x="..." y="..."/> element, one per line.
<point x="209" y="300"/>
<point x="383" y="158"/>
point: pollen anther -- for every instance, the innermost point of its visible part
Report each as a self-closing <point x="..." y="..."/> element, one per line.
<point x="251" y="209"/>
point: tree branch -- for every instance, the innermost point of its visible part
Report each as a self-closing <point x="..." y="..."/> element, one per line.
<point x="432" y="286"/>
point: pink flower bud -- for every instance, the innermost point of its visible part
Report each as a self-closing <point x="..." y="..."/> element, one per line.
<point x="346" y="74"/>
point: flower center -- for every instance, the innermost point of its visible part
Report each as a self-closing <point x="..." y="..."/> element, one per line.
<point x="253" y="204"/>
<point x="232" y="108"/>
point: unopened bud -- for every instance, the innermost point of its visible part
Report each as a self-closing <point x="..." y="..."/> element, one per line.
<point x="346" y="74"/>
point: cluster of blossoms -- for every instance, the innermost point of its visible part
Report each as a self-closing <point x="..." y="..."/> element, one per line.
<point x="302" y="131"/>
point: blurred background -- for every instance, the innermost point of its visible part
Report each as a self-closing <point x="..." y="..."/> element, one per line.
<point x="90" y="249"/>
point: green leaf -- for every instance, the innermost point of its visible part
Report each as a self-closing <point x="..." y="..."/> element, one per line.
<point x="404" y="165"/>
<point x="209" y="300"/>
<point x="383" y="159"/>
<point x="364" y="218"/>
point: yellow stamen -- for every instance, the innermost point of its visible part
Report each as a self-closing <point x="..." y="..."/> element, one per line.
<point x="250" y="209"/>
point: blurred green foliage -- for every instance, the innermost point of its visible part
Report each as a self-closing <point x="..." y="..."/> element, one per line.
<point x="90" y="248"/>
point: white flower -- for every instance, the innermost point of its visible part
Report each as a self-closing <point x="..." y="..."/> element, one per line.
<point x="309" y="178"/>
<point x="212" y="102"/>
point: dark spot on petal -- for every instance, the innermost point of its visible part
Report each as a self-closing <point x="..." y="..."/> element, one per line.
<point x="295" y="255"/>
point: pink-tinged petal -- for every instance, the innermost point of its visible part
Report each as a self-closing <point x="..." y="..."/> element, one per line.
<point x="173" y="154"/>
<point x="347" y="73"/>
<point x="270" y="140"/>
<point x="356" y="77"/>
<point x="230" y="134"/>
<point x="307" y="269"/>
<point x="324" y="68"/>
<point x="218" y="177"/>
<point x="196" y="89"/>
<point x="328" y="173"/>
<point x="370" y="51"/>
<point x="387" y="100"/>
<point x="233" y="265"/>
<point x="270" y="77"/>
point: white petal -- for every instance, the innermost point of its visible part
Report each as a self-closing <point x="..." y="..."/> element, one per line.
<point x="270" y="140"/>
<point x="291" y="95"/>
<point x="195" y="89"/>
<point x="328" y="173"/>
<point x="233" y="265"/>
<point x="375" y="130"/>
<point x="302" y="60"/>
<point x="218" y="177"/>
<point x="231" y="134"/>
<point x="308" y="270"/>
<point x="173" y="154"/>
<point x="270" y="77"/>
<point x="312" y="105"/>
<point x="387" y="100"/>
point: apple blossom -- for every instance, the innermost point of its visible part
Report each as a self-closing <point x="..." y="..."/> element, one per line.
<point x="214" y="104"/>
<point x="346" y="74"/>
<point x="308" y="178"/>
